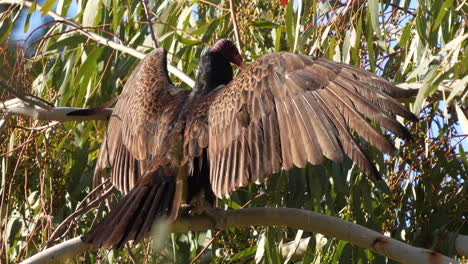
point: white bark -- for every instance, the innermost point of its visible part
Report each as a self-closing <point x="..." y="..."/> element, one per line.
<point x="58" y="114"/>
<point x="18" y="107"/>
<point x="294" y="218"/>
<point x="59" y="253"/>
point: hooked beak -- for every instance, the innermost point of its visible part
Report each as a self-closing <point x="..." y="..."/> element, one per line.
<point x="239" y="62"/>
<point x="242" y="65"/>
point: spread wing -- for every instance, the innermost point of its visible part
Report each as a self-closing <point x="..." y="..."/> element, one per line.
<point x="142" y="117"/>
<point x="287" y="109"/>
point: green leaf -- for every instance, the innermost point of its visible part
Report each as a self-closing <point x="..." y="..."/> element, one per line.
<point x="115" y="15"/>
<point x="271" y="248"/>
<point x="89" y="63"/>
<point x="278" y="37"/>
<point x="47" y="6"/>
<point x="207" y="30"/>
<point x="5" y="30"/>
<point x="63" y="6"/>
<point x="462" y="119"/>
<point x="357" y="44"/>
<point x="70" y="41"/>
<point x="443" y="10"/>
<point x="26" y="24"/>
<point x="290" y="24"/>
<point x="370" y="45"/>
<point x="423" y="91"/>
<point x="331" y="47"/>
<point x="346" y="48"/>
<point x="305" y="37"/>
<point x="421" y="26"/>
<point x="90" y="12"/>
<point x="343" y="253"/>
<point x="374" y="15"/>
<point x="11" y="143"/>
<point x="64" y="89"/>
<point x="28" y="17"/>
<point x="458" y="86"/>
<point x="339" y="181"/>
<point x="463" y="157"/>
<point x="382" y="186"/>
<point x="263" y="24"/>
<point x="32" y="8"/>
<point x="186" y="41"/>
<point x="243" y="255"/>
<point x="405" y="35"/>
<point x="315" y="174"/>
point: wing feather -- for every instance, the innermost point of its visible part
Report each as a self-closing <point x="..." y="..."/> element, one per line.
<point x="287" y="110"/>
<point x="140" y="122"/>
<point x="285" y="134"/>
<point x="325" y="131"/>
<point x="136" y="149"/>
<point x="350" y="147"/>
<point x="297" y="149"/>
<point x="357" y="122"/>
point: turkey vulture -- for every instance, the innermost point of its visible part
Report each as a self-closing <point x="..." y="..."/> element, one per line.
<point x="166" y="146"/>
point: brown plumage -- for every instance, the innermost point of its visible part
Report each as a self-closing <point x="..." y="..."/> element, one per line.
<point x="141" y="149"/>
<point x="289" y="109"/>
<point x="165" y="145"/>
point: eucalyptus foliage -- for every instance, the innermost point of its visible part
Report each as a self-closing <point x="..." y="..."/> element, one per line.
<point x="47" y="170"/>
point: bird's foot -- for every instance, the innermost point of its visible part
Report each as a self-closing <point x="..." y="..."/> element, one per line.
<point x="207" y="211"/>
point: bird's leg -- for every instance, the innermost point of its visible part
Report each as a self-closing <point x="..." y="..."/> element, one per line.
<point x="199" y="206"/>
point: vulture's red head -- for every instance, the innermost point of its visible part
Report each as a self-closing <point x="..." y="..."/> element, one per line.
<point x="229" y="51"/>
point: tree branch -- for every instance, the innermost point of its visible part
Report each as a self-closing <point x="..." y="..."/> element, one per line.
<point x="445" y="86"/>
<point x="236" y="28"/>
<point x="18" y="107"/>
<point x="30" y="99"/>
<point x="150" y="25"/>
<point x="59" y="253"/>
<point x="294" y="218"/>
<point x="82" y="210"/>
<point x="104" y="41"/>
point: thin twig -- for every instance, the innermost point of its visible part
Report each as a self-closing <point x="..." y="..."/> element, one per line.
<point x="18" y="162"/>
<point x="75" y="27"/>
<point x="236" y="28"/>
<point x="31" y="99"/>
<point x="51" y="124"/>
<point x="148" y="17"/>
<point x="81" y="211"/>
<point x="18" y="147"/>
<point x="213" y="4"/>
<point x="401" y="8"/>
<point x="130" y="253"/>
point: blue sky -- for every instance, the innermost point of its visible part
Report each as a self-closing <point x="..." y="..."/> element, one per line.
<point x="36" y="20"/>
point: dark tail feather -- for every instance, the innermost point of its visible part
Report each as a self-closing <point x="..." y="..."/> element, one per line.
<point x="133" y="217"/>
<point x="94" y="110"/>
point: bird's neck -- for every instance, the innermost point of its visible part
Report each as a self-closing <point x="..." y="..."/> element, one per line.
<point x="214" y="71"/>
